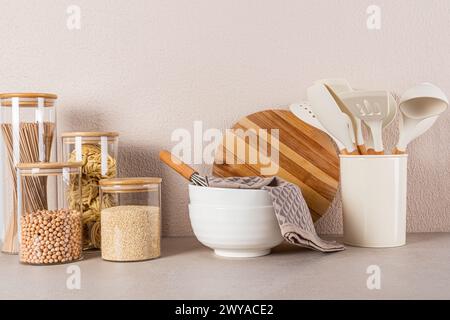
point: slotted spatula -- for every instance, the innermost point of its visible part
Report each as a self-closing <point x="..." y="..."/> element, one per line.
<point x="372" y="107"/>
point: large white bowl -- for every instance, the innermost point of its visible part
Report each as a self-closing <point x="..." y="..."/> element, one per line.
<point x="229" y="197"/>
<point x="232" y="229"/>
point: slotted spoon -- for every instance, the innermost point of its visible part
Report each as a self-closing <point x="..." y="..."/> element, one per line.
<point x="372" y="107"/>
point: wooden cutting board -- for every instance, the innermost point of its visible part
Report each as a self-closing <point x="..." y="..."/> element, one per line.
<point x="306" y="156"/>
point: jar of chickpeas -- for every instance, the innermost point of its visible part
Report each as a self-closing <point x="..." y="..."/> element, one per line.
<point x="50" y="229"/>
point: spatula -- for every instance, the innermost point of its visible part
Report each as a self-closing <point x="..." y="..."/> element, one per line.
<point x="420" y="106"/>
<point x="337" y="86"/>
<point x="330" y="116"/>
<point x="372" y="107"/>
<point x="303" y="112"/>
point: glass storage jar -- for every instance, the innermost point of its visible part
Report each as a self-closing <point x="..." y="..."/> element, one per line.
<point x="50" y="229"/>
<point x="131" y="229"/>
<point x="98" y="153"/>
<point x="28" y="134"/>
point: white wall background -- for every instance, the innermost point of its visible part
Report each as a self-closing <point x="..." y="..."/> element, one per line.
<point x="147" y="67"/>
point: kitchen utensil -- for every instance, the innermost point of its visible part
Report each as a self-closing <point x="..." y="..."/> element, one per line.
<point x="386" y="121"/>
<point x="372" y="107"/>
<point x="298" y="153"/>
<point x="330" y="115"/>
<point x="337" y="86"/>
<point x="420" y="107"/>
<point x="234" y="226"/>
<point x="183" y="169"/>
<point x="373" y="190"/>
<point x="303" y="112"/>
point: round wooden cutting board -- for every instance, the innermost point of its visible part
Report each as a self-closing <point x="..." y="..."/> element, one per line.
<point x="306" y="156"/>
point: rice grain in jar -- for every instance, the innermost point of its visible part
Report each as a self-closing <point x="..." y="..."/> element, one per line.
<point x="131" y="229"/>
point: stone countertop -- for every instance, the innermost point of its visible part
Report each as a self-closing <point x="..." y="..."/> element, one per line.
<point x="188" y="270"/>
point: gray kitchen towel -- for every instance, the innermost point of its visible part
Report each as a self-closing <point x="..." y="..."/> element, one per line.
<point x="290" y="208"/>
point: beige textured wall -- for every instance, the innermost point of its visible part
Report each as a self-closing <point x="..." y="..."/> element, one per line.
<point x="145" y="68"/>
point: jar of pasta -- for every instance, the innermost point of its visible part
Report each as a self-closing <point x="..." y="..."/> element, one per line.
<point x="28" y="134"/>
<point x="97" y="151"/>
<point x="50" y="229"/>
<point x="131" y="228"/>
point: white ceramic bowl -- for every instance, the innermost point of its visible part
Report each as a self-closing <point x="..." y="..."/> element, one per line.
<point x="229" y="197"/>
<point x="232" y="229"/>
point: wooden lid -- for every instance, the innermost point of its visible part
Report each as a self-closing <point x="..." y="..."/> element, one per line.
<point x="28" y="99"/>
<point x="90" y="134"/>
<point x="129" y="181"/>
<point x="49" y="165"/>
<point x="29" y="95"/>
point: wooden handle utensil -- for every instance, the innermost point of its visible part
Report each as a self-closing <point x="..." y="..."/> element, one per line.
<point x="396" y="151"/>
<point x="176" y="164"/>
<point x="182" y="168"/>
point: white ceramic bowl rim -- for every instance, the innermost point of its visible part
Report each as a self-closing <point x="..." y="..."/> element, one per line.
<point x="226" y="189"/>
<point x="373" y="156"/>
<point x="228" y="207"/>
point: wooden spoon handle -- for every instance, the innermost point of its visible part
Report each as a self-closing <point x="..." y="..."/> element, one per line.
<point x="353" y="153"/>
<point x="176" y="164"/>
<point x="396" y="151"/>
<point x="362" y="148"/>
<point x="375" y="153"/>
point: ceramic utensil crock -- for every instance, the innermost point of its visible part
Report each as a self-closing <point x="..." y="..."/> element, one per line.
<point x="374" y="200"/>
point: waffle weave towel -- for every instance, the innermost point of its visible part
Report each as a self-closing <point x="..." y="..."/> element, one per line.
<point x="291" y="210"/>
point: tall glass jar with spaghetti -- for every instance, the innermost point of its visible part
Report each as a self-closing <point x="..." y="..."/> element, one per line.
<point x="28" y="134"/>
<point x="50" y="229"/>
<point x="97" y="151"/>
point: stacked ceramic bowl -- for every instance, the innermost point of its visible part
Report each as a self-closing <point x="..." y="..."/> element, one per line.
<point x="237" y="223"/>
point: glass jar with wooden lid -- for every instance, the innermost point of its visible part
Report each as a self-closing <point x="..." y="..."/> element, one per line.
<point x="50" y="229"/>
<point x="28" y="130"/>
<point x="131" y="228"/>
<point x="98" y="153"/>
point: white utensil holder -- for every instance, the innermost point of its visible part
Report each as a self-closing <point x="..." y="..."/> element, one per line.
<point x="374" y="200"/>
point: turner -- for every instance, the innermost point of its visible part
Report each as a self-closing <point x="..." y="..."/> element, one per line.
<point x="393" y="109"/>
<point x="336" y="87"/>
<point x="372" y="107"/>
<point x="330" y="116"/>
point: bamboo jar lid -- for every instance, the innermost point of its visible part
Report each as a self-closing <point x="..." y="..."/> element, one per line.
<point x="130" y="185"/>
<point x="91" y="134"/>
<point x="49" y="165"/>
<point x="28" y="99"/>
<point x="88" y="137"/>
<point x="138" y="181"/>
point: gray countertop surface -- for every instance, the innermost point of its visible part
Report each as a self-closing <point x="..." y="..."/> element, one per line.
<point x="188" y="270"/>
